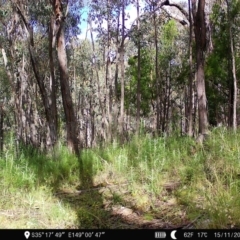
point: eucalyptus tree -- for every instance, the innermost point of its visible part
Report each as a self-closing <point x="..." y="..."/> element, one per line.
<point x="170" y="40"/>
<point x="222" y="64"/>
<point x="189" y="116"/>
<point x="139" y="66"/>
<point x="102" y="14"/>
<point x="233" y="11"/>
<point x="38" y="27"/>
<point x="153" y="8"/>
<point x="168" y="55"/>
<point x="109" y="18"/>
<point x="58" y="28"/>
<point x="200" y="32"/>
<point x="59" y="15"/>
<point x="5" y="105"/>
<point x="15" y="58"/>
<point x="21" y="49"/>
<point x="121" y="50"/>
<point x="198" y="12"/>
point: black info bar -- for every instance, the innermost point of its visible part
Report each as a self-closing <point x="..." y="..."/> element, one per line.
<point x="125" y="234"/>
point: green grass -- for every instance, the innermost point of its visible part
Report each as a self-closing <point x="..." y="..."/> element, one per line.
<point x="172" y="179"/>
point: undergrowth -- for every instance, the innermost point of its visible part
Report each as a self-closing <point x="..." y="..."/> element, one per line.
<point x="173" y="179"/>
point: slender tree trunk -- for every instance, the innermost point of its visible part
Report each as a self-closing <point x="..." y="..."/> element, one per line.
<point x="92" y="114"/>
<point x="233" y="65"/>
<point x="9" y="70"/>
<point x="122" y="69"/>
<point x="108" y="77"/>
<point x="95" y="67"/>
<point x="230" y="91"/>
<point x="190" y="88"/>
<point x="45" y="100"/>
<point x="158" y="126"/>
<point x="164" y="104"/>
<point x="200" y="38"/>
<point x="1" y="128"/>
<point x="115" y="110"/>
<point x="139" y="69"/>
<point x="71" y="122"/>
<point x="195" y="107"/>
<point x="117" y="58"/>
<point x="23" y="99"/>
<point x="58" y="34"/>
<point x="168" y="95"/>
<point x="53" y="103"/>
<point x="33" y="115"/>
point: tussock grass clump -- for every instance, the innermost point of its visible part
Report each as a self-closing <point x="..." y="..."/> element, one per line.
<point x="27" y="182"/>
<point x="201" y="182"/>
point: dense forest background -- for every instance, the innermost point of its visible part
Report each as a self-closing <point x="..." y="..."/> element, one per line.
<point x="78" y="78"/>
<point x="173" y="69"/>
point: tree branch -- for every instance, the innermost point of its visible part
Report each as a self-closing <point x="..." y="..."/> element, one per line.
<point x="27" y="25"/>
<point x="183" y="22"/>
<point x="180" y="9"/>
<point x="164" y="3"/>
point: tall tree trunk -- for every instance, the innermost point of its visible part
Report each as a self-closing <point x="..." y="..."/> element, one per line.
<point x="53" y="102"/>
<point x="108" y="83"/>
<point x="71" y="122"/>
<point x="117" y="57"/>
<point x="139" y="69"/>
<point x="122" y="69"/>
<point x="92" y="114"/>
<point x="44" y="96"/>
<point x="96" y="68"/>
<point x="233" y="65"/>
<point x="157" y="74"/>
<point x="200" y="38"/>
<point x="168" y="96"/>
<point x="190" y="83"/>
<point x="23" y="98"/>
<point x="9" y="70"/>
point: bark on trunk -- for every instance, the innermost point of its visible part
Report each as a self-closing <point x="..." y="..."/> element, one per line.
<point x="190" y="87"/>
<point x="96" y="68"/>
<point x="108" y="83"/>
<point x="233" y="72"/>
<point x="53" y="102"/>
<point x="1" y="128"/>
<point x="200" y="38"/>
<point x="71" y="123"/>
<point x="158" y="126"/>
<point x="48" y="107"/>
<point x="122" y="69"/>
<point x="139" y="70"/>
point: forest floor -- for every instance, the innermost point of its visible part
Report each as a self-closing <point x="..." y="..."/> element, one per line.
<point x="106" y="206"/>
<point x="170" y="182"/>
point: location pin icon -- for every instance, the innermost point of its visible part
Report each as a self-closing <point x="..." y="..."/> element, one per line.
<point x="27" y="234"/>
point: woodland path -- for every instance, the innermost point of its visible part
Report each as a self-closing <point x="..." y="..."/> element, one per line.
<point x="109" y="210"/>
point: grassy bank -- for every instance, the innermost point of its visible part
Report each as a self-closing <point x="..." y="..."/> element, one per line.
<point x="169" y="181"/>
